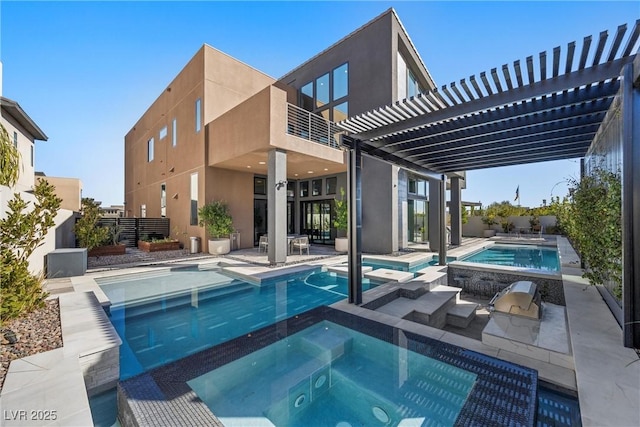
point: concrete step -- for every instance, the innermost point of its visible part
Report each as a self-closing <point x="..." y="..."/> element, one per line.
<point x="462" y="314"/>
<point x="386" y="275"/>
<point x="429" y="309"/>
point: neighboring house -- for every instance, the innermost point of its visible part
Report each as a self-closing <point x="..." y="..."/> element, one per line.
<point x="223" y="130"/>
<point x="113" y="211"/>
<point x="24" y="132"/>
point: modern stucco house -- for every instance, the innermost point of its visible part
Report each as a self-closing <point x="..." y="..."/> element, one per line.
<point x="222" y="130"/>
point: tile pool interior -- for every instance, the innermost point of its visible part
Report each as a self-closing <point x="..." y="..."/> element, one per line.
<point x="527" y="256"/>
<point x="168" y="319"/>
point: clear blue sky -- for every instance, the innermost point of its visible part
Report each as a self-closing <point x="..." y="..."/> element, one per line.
<point x="86" y="71"/>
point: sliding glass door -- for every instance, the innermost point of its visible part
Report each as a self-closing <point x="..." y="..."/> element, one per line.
<point x="316" y="221"/>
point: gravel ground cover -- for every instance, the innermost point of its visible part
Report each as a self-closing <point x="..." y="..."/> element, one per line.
<point x="34" y="333"/>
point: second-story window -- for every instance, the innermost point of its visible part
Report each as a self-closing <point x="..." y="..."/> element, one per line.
<point x="15" y="139"/>
<point x="322" y="90"/>
<point x="150" y="150"/>
<point x="198" y="114"/>
<point x="327" y="94"/>
<point x="163" y="132"/>
<point x="340" y="81"/>
<point x="174" y="132"/>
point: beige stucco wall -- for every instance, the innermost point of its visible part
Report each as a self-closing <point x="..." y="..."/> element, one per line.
<point x="68" y="189"/>
<point x="258" y="125"/>
<point x="26" y="180"/>
<point x="221" y="82"/>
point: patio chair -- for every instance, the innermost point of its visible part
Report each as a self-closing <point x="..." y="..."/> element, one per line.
<point x="263" y="243"/>
<point x="301" y="243"/>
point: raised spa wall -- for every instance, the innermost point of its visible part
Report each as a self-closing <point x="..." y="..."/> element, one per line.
<point x="486" y="280"/>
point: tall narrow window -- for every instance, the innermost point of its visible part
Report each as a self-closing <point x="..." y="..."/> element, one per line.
<point x="332" y="185"/>
<point x="316" y="187"/>
<point x="198" y="113"/>
<point x="163" y="200"/>
<point x="32" y="156"/>
<point x="163" y="132"/>
<point x="306" y="95"/>
<point x="150" y="150"/>
<point x="174" y="132"/>
<point x="322" y="90"/>
<point x="340" y="81"/>
<point x="143" y="211"/>
<point x="15" y="139"/>
<point x="194" y="199"/>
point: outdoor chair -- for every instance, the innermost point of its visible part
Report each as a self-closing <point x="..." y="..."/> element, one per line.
<point x="263" y="243"/>
<point x="301" y="243"/>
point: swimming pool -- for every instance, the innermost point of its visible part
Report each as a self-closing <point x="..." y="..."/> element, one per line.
<point x="329" y="367"/>
<point x="337" y="375"/>
<point x="526" y="256"/>
<point x="164" y="316"/>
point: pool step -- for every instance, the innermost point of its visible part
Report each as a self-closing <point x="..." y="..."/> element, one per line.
<point x="328" y="342"/>
<point x="429" y="309"/>
<point x="462" y="314"/>
<point x="386" y="275"/>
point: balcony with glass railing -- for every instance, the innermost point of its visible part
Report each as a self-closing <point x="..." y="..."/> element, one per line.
<point x="312" y="127"/>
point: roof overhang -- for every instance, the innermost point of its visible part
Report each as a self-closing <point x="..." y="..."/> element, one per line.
<point x="15" y="110"/>
<point x="534" y="112"/>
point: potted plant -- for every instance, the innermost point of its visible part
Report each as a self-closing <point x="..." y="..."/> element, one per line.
<point x="341" y="222"/>
<point x="215" y="217"/>
<point x="158" y="243"/>
<point x="111" y="245"/>
<point x="489" y="220"/>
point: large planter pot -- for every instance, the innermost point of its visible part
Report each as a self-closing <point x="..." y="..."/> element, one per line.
<point x="489" y="233"/>
<point x="158" y="246"/>
<point x="219" y="246"/>
<point x="108" y="250"/>
<point x="342" y="244"/>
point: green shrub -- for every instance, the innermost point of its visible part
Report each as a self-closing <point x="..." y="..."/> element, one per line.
<point x="216" y="218"/>
<point x="21" y="232"/>
<point x="88" y="233"/>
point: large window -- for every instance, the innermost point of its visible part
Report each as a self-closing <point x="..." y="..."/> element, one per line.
<point x="194" y="199"/>
<point x="326" y="95"/>
<point x="198" y="115"/>
<point x="150" y="150"/>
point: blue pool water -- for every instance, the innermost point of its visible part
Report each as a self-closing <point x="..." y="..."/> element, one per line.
<point x="526" y="256"/>
<point x="330" y="374"/>
<point x="164" y="317"/>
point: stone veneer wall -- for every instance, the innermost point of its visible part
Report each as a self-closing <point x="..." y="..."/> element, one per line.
<point x="486" y="283"/>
